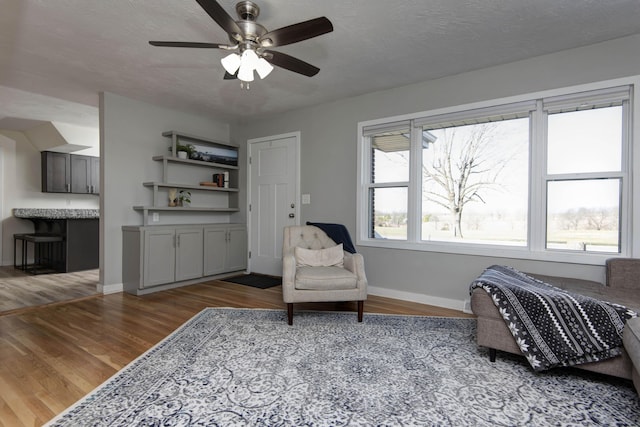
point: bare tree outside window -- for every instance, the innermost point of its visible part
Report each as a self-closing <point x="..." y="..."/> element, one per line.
<point x="465" y="165"/>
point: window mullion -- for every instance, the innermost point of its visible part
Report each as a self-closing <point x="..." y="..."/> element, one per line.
<point x="537" y="183"/>
<point x="364" y="174"/>
<point x="626" y="243"/>
<point x="414" y="210"/>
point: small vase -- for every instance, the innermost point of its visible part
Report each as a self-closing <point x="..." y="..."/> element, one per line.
<point x="182" y="154"/>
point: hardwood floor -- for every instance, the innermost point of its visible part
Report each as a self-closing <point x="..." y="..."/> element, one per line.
<point x="54" y="355"/>
<point x="19" y="290"/>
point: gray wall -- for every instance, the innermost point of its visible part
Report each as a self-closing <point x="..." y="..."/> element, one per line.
<point x="329" y="155"/>
<point x="130" y="135"/>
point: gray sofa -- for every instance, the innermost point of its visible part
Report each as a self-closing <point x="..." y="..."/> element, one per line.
<point x="632" y="346"/>
<point x="622" y="287"/>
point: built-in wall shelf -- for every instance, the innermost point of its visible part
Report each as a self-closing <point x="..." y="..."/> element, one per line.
<point x="183" y="208"/>
<point x="146" y="209"/>
<point x="177" y="136"/>
<point x="195" y="162"/>
<point x="188" y="186"/>
<point x="203" y="153"/>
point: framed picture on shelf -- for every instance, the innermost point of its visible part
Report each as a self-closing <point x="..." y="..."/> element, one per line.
<point x="208" y="153"/>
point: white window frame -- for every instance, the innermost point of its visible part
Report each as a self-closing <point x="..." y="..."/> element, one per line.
<point x="535" y="248"/>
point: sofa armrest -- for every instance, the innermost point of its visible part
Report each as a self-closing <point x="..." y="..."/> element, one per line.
<point x="623" y="273"/>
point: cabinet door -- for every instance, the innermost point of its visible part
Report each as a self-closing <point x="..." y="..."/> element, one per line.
<point x="56" y="172"/>
<point x="80" y="174"/>
<point x="189" y="258"/>
<point x="159" y="257"/>
<point x="95" y="175"/>
<point x="215" y="249"/>
<point x="236" y="249"/>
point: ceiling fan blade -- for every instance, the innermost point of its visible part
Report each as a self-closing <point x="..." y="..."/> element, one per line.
<point x="222" y="18"/>
<point x="290" y="63"/>
<point x="228" y="76"/>
<point x="187" y="44"/>
<point x="297" y="32"/>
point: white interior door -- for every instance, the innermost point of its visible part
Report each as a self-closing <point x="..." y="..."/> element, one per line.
<point x="273" y="199"/>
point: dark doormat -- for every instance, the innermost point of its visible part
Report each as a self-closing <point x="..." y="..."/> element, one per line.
<point x="256" y="280"/>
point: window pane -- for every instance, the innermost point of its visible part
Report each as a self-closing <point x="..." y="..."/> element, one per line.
<point x="585" y="141"/>
<point x="390" y="157"/>
<point x="583" y="215"/>
<point x="475" y="183"/>
<point x="389" y="218"/>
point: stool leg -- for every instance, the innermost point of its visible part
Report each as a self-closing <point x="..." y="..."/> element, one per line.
<point x="25" y="252"/>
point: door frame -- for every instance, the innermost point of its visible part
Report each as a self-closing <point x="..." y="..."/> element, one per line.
<point x="297" y="136"/>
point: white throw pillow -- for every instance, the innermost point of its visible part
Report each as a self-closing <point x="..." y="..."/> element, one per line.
<point x="328" y="257"/>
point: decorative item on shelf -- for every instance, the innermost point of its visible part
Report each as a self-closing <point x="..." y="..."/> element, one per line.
<point x="221" y="179"/>
<point x="208" y="184"/>
<point x="184" y="199"/>
<point x="173" y="199"/>
<point x="184" y="151"/>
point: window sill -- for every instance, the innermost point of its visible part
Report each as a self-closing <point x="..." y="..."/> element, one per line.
<point x="495" y="251"/>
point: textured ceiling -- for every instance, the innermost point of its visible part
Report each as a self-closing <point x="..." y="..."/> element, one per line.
<point x="67" y="51"/>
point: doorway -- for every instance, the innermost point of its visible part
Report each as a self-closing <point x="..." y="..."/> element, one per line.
<point x="273" y="195"/>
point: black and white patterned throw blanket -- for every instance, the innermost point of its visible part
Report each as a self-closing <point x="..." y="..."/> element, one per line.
<point x="554" y="327"/>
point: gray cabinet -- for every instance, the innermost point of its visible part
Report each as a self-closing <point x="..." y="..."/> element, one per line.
<point x="166" y="256"/>
<point x="171" y="255"/>
<point x="225" y="248"/>
<point x="215" y="247"/>
<point x="70" y="173"/>
<point x="159" y="253"/>
<point x="56" y="172"/>
<point x="236" y="249"/>
<point x="189" y="259"/>
<point x="85" y="174"/>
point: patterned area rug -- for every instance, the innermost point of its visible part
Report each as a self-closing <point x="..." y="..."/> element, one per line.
<point x="247" y="367"/>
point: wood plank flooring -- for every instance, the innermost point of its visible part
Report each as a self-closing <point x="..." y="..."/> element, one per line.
<point x="52" y="356"/>
<point x="19" y="290"/>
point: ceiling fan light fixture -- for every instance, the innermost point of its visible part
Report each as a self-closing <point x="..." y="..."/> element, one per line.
<point x="249" y="58"/>
<point x="245" y="73"/>
<point x="263" y="68"/>
<point x="231" y="63"/>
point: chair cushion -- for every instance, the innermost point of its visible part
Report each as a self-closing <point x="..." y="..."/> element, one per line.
<point x="333" y="256"/>
<point x="325" y="278"/>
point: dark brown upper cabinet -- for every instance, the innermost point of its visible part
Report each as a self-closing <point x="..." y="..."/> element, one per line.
<point x="70" y="173"/>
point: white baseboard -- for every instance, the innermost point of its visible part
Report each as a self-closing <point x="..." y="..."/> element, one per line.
<point x="419" y="298"/>
<point x="111" y="289"/>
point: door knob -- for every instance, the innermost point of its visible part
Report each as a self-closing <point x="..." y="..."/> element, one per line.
<point x="292" y="215"/>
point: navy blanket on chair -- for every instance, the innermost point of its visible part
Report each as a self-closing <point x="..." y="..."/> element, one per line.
<point x="338" y="233"/>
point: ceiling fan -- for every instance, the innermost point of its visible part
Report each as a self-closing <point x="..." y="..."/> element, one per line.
<point x="250" y="42"/>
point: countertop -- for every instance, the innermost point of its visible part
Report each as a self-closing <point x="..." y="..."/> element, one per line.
<point x="34" y="213"/>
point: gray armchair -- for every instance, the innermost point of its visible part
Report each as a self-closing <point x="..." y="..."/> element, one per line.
<point x="315" y="283"/>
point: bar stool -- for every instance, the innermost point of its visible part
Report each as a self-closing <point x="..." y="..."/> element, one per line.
<point x="47" y="250"/>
